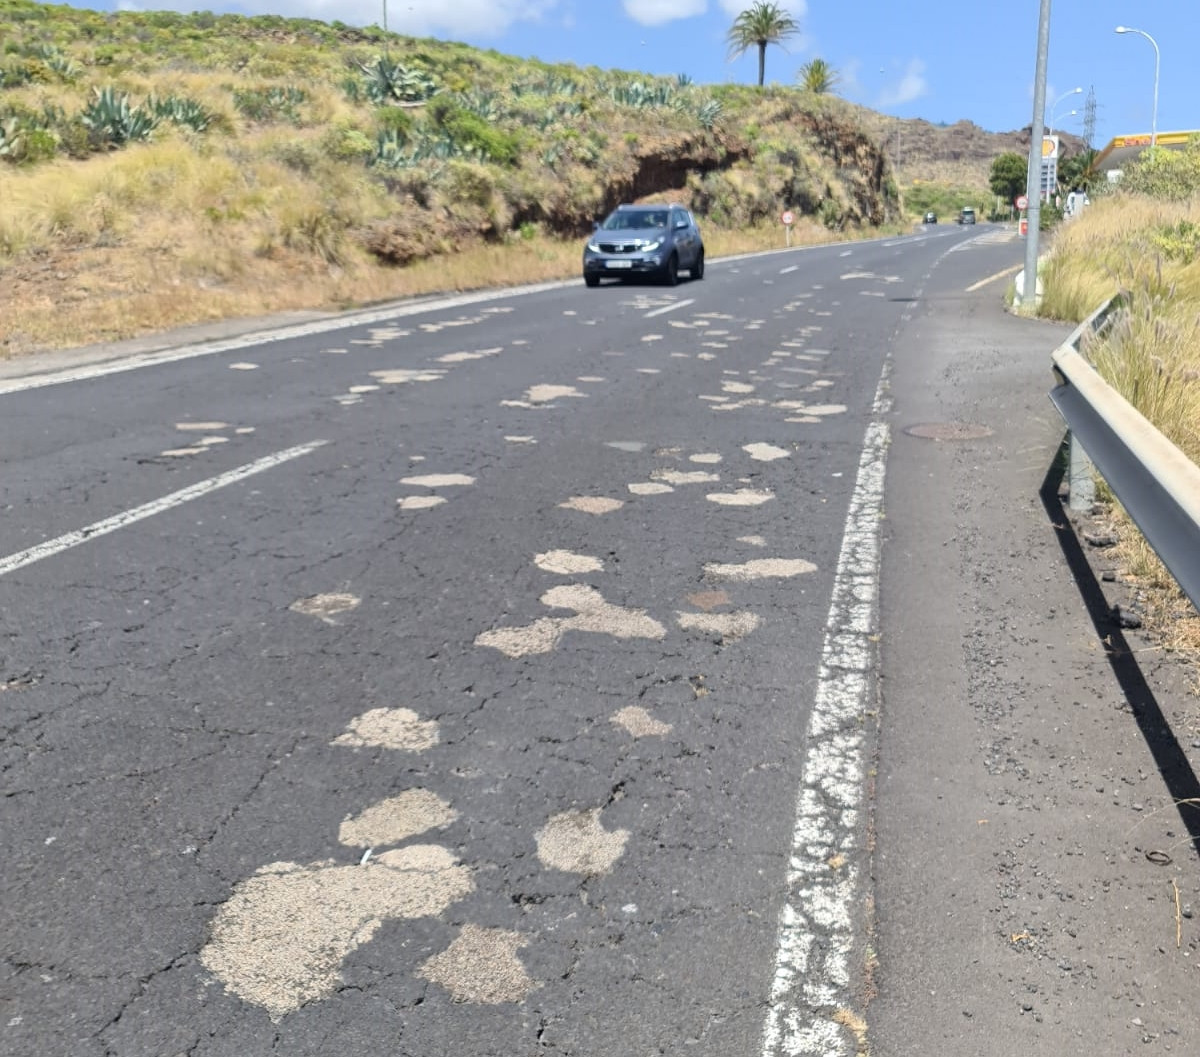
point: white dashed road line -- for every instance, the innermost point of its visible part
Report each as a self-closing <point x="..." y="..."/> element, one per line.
<point x="670" y="308"/>
<point x="992" y="278"/>
<point x="788" y="270"/>
<point x="811" y="1012"/>
<point x="118" y="521"/>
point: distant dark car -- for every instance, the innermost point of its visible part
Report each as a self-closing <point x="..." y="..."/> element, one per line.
<point x="930" y="218"/>
<point x="646" y="241"/>
<point x="966" y="216"/>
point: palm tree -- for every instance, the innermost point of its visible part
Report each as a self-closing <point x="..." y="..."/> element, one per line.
<point x="818" y="77"/>
<point x="763" y="22"/>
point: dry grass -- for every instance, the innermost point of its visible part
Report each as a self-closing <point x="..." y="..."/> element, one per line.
<point x="171" y="233"/>
<point x="1132" y="244"/>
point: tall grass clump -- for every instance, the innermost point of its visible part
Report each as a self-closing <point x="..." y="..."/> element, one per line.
<point x="1142" y="240"/>
<point x="1151" y="355"/>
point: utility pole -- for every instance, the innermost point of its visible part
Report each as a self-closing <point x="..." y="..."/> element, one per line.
<point x="1033" y="176"/>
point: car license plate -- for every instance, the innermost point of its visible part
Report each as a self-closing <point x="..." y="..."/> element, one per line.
<point x="618" y="264"/>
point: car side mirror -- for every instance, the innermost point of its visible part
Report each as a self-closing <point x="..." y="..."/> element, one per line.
<point x="595" y="225"/>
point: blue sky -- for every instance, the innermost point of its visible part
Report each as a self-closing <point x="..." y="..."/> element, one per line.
<point x="942" y="60"/>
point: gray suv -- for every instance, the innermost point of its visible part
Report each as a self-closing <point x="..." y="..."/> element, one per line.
<point x="654" y="241"/>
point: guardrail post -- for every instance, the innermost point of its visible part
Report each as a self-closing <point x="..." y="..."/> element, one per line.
<point x="1081" y="477"/>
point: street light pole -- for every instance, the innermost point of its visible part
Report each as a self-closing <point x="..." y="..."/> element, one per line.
<point x="1033" y="174"/>
<point x="1054" y="120"/>
<point x="1073" y="91"/>
<point x="1154" y="112"/>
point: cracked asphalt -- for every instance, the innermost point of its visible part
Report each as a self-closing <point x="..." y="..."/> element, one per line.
<point x="452" y="682"/>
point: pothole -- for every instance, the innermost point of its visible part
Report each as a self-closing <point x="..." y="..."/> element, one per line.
<point x="948" y="431"/>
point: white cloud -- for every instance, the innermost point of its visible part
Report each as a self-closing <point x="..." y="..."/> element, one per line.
<point x="851" y="83"/>
<point x="912" y="85"/>
<point x="796" y="8"/>
<point x="657" y="12"/>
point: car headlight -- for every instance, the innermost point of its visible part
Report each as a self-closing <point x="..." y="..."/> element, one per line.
<point x="650" y="247"/>
<point x="593" y="248"/>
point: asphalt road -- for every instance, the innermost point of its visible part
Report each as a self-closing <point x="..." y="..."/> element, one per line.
<point x="490" y="676"/>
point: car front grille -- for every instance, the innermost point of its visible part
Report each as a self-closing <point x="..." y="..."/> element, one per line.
<point x="618" y="247"/>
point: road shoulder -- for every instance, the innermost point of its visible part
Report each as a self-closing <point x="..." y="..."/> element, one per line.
<point x="1034" y="880"/>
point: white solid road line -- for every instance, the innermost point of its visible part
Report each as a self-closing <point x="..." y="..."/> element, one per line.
<point x="157" y="506"/>
<point x="812" y="993"/>
<point x="670" y="308"/>
<point x="265" y="337"/>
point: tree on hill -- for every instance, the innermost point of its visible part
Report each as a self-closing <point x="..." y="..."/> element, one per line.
<point x="1008" y="176"/>
<point x="818" y="77"/>
<point x="763" y="22"/>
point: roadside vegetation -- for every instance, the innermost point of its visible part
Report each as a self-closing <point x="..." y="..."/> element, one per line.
<point x="159" y="169"/>
<point x="1141" y="239"/>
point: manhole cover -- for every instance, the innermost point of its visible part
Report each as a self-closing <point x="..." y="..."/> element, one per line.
<point x="948" y="431"/>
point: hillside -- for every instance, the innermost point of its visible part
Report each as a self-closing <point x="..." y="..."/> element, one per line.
<point x="958" y="155"/>
<point x="164" y="168"/>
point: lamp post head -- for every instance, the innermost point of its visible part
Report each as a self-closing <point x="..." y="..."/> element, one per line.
<point x="1121" y="29"/>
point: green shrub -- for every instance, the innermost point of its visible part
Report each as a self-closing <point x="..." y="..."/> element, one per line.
<point x="1163" y="173"/>
<point x="472" y="134"/>
<point x="395" y="119"/>
<point x="347" y="142"/>
<point x="1177" y="242"/>
<point x="270" y="103"/>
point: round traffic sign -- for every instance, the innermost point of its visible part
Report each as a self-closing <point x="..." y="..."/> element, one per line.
<point x="1022" y="201"/>
<point x="788" y="218"/>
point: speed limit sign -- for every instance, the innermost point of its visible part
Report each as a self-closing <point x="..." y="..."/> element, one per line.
<point x="788" y="218"/>
<point x="1022" y="201"/>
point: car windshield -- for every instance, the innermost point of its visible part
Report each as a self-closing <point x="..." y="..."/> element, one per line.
<point x="629" y="219"/>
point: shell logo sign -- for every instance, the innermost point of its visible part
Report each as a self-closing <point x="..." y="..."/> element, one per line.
<point x="1049" y="148"/>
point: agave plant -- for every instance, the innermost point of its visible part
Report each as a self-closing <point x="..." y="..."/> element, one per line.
<point x="393" y="82"/>
<point x="178" y="111"/>
<point x="707" y="113"/>
<point x="10" y="139"/>
<point x="488" y="105"/>
<point x="643" y="96"/>
<point x="111" y="121"/>
<point x="58" y="62"/>
<point x="549" y="85"/>
<point x="392" y="151"/>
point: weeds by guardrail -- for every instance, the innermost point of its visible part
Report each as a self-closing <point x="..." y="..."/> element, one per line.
<point x="1158" y="485"/>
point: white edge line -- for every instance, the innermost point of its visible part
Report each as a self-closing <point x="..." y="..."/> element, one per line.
<point x="156" y="506"/>
<point x="814" y="980"/>
<point x="264" y="337"/>
<point x="813" y="975"/>
<point x="670" y="308"/>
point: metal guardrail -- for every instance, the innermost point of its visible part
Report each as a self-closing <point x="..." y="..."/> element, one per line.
<point x="1156" y="483"/>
